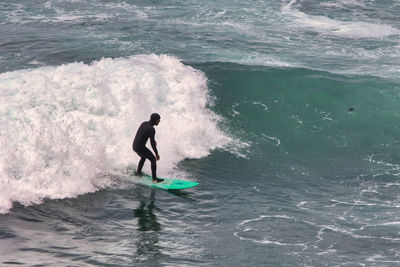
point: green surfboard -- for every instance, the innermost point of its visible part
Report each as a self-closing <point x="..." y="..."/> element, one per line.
<point x="167" y="184"/>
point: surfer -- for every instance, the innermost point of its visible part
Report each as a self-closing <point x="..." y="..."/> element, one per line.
<point x="146" y="131"/>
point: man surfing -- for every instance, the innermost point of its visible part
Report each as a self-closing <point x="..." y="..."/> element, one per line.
<point x="146" y="131"/>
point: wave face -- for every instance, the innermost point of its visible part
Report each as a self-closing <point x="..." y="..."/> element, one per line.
<point x="64" y="127"/>
<point x="322" y="121"/>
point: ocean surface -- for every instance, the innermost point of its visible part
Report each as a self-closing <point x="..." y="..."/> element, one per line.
<point x="286" y="113"/>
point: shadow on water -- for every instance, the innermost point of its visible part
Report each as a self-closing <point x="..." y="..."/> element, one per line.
<point x="147" y="220"/>
<point x="180" y="193"/>
<point x="147" y="247"/>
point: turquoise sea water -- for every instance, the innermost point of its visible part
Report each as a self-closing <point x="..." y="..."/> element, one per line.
<point x="285" y="112"/>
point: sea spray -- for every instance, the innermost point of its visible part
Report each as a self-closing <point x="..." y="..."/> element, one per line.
<point x="64" y="128"/>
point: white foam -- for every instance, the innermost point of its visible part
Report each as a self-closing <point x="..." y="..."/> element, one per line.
<point x="243" y="228"/>
<point x="62" y="129"/>
<point x="345" y="3"/>
<point x="346" y="29"/>
<point x="276" y="139"/>
<point x="81" y="18"/>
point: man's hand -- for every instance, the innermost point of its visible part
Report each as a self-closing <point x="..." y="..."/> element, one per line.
<point x="157" y="157"/>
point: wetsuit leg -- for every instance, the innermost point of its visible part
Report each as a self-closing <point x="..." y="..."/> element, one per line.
<point x="140" y="165"/>
<point x="144" y="154"/>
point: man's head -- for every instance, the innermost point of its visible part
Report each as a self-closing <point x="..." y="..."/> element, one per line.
<point x="155" y="119"/>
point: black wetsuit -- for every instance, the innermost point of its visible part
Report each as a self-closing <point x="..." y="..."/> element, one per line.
<point x="146" y="131"/>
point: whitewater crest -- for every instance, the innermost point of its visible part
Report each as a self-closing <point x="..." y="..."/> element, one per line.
<point x="346" y="29"/>
<point x="64" y="128"/>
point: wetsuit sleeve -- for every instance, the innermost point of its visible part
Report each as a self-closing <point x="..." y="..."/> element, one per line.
<point x="153" y="142"/>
